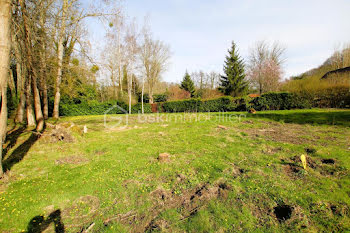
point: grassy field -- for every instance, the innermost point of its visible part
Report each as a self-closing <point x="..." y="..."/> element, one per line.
<point x="223" y="172"/>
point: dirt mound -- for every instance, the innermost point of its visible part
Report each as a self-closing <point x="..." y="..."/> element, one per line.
<point x="57" y="135"/>
<point x="164" y="157"/>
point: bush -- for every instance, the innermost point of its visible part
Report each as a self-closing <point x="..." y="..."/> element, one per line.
<point x="268" y="101"/>
<point x="160" y="98"/>
<point x="92" y="108"/>
<point x="190" y="105"/>
<point x="278" y="101"/>
<point x="145" y="98"/>
<point x="335" y="97"/>
<point x="147" y="108"/>
<point x="222" y="104"/>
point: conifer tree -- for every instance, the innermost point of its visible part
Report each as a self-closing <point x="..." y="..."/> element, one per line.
<point x="188" y="85"/>
<point x="233" y="83"/>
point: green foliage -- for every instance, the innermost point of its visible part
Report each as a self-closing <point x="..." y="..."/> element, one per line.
<point x="336" y="97"/>
<point x="222" y="104"/>
<point x="233" y="83"/>
<point x="160" y="98"/>
<point x="145" y="98"/>
<point x="137" y="108"/>
<point x="92" y="108"/>
<point x="268" y="101"/>
<point x="97" y="108"/>
<point x="190" y="105"/>
<point x="188" y="85"/>
<point x="279" y="101"/>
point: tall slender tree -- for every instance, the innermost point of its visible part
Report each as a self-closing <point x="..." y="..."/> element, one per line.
<point x="233" y="82"/>
<point x="5" y="44"/>
<point x="188" y="85"/>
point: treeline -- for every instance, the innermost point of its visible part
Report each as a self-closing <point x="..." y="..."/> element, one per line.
<point x="48" y="59"/>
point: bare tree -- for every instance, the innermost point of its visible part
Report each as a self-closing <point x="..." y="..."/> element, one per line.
<point x="145" y="57"/>
<point x="69" y="14"/>
<point x="158" y="62"/>
<point x="5" y="44"/>
<point x="113" y="53"/>
<point x="131" y="50"/>
<point x="265" y="66"/>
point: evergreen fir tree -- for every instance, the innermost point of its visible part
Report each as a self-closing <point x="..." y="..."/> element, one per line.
<point x="233" y="83"/>
<point x="188" y="85"/>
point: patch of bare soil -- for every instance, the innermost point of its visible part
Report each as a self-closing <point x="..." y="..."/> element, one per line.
<point x="72" y="160"/>
<point x="261" y="208"/>
<point x="293" y="166"/>
<point x="326" y="167"/>
<point x="287" y="133"/>
<point x="189" y="203"/>
<point x="57" y="135"/>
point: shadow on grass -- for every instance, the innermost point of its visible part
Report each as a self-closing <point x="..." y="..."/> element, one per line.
<point x="12" y="137"/>
<point x="341" y="118"/>
<point x="39" y="224"/>
<point x="17" y="154"/>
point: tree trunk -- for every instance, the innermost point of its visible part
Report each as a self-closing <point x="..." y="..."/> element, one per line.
<point x="29" y="108"/>
<point x="151" y="95"/>
<point x="37" y="106"/>
<point x="20" y="109"/>
<point x="142" y="93"/>
<point x="60" y="61"/>
<point x="43" y="67"/>
<point x="45" y="101"/>
<point x="5" y="43"/>
<point x="31" y="71"/>
<point x="129" y="90"/>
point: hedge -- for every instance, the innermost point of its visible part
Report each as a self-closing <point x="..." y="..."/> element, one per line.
<point x="97" y="108"/>
<point x="335" y="97"/>
<point x="268" y="101"/>
<point x="279" y="101"/>
<point x="222" y="104"/>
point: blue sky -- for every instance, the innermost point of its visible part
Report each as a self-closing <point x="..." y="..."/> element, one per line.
<point x="200" y="32"/>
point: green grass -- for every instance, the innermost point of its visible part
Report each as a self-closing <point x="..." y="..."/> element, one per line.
<point x="116" y="170"/>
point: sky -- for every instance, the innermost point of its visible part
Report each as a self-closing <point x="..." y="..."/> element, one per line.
<point x="199" y="32"/>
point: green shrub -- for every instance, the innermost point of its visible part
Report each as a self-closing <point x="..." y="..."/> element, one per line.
<point x="160" y="98"/>
<point x="333" y="97"/>
<point x="92" y="108"/>
<point x="222" y="104"/>
<point x="137" y="108"/>
<point x="190" y="105"/>
<point x="145" y="98"/>
<point x="278" y="101"/>
<point x="268" y="101"/>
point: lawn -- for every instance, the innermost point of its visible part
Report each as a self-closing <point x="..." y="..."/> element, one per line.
<point x="205" y="172"/>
